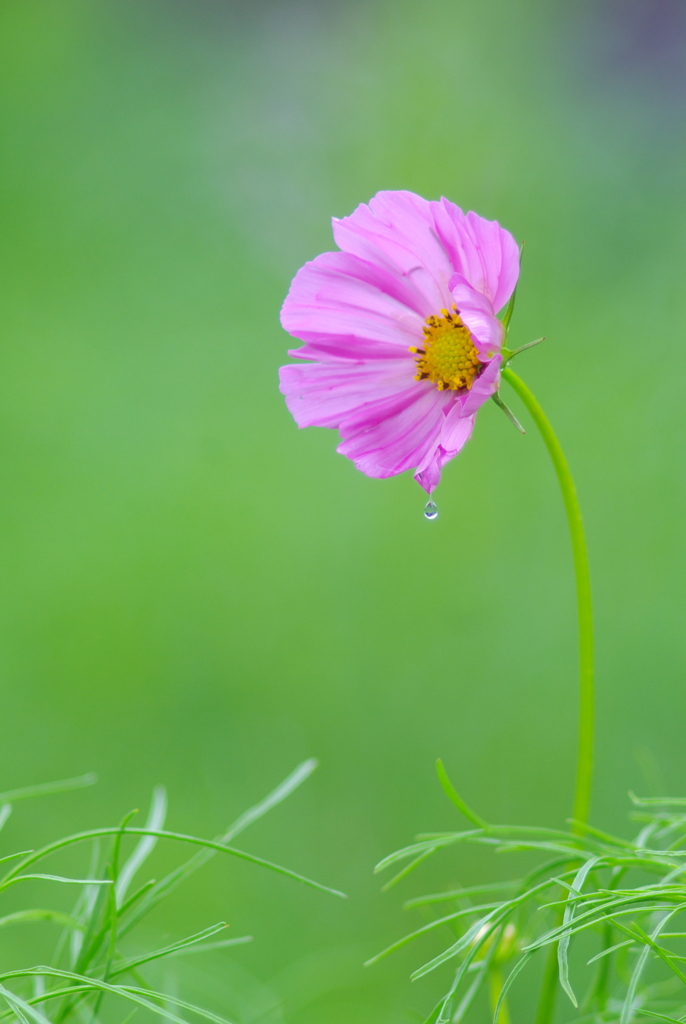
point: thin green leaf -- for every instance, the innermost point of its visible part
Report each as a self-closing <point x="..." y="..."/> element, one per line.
<point x="406" y="870"/>
<point x="628" y="1007"/>
<point x="433" y="1016"/>
<point x="15" y="1009"/>
<point x="468" y="939"/>
<point x="428" y="928"/>
<point x="207" y="947"/>
<point x="143" y="997"/>
<point x="175" y="1001"/>
<point x="136" y="896"/>
<point x="470" y="995"/>
<point x="156" y="818"/>
<point x="519" y="966"/>
<point x="416" y="849"/>
<point x="472" y="890"/>
<point x="455" y="797"/>
<point x="606" y="837"/>
<point x="651" y="801"/>
<point x="277" y="796"/>
<point x="589" y="918"/>
<point x="48" y="787"/>
<point x="661" y="1016"/>
<point x="57" y="878"/>
<point x="13" y="856"/>
<point x="563" y="944"/>
<point x="54" y="993"/>
<point x="176" y="877"/>
<point x="482" y="970"/>
<point x="485" y="936"/>
<point x="166" y="950"/>
<point x="23" y="1009"/>
<point x="179" y="837"/>
<point x="496" y="917"/>
<point x="610" y="949"/>
<point x="23" y="916"/>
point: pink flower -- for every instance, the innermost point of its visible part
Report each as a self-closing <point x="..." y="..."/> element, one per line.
<point x="402" y="331"/>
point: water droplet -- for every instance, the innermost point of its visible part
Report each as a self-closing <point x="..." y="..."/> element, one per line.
<point x="431" y="510"/>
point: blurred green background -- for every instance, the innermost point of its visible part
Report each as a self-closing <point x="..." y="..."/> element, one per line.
<point x="195" y="593"/>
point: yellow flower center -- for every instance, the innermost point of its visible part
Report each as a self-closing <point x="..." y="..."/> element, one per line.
<point x="448" y="357"/>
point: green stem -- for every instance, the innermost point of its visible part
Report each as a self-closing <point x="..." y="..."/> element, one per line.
<point x="584" y="768"/>
<point x="584" y="765"/>
<point x="495" y="987"/>
<point x="546" y="1005"/>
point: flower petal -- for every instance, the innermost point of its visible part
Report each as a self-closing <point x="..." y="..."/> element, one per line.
<point x="483" y="387"/>
<point x="344" y="308"/>
<point x="482" y="251"/>
<point x="457" y="429"/>
<point x="429" y="476"/>
<point x="396" y="434"/>
<point x="397" y="231"/>
<point x="477" y="312"/>
<point x="322" y="395"/>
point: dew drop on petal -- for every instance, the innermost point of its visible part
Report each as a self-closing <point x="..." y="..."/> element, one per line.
<point x="431" y="510"/>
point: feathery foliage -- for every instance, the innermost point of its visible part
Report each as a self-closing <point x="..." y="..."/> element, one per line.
<point x="626" y="896"/>
<point x="89" y="964"/>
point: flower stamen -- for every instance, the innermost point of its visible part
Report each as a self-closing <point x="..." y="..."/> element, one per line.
<point x="449" y="358"/>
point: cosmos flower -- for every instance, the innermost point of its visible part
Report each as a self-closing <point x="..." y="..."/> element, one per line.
<point x="401" y="330"/>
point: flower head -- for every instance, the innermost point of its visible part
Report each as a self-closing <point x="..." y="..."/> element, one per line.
<point x="402" y="332"/>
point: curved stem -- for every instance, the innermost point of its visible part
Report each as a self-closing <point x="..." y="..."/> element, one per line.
<point x="584" y="767"/>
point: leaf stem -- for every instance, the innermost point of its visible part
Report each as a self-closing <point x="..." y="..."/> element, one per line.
<point x="584" y="768"/>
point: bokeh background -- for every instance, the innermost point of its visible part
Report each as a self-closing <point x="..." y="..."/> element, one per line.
<point x="194" y="592"/>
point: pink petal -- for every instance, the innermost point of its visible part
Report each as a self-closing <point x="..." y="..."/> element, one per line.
<point x="344" y="308"/>
<point x="477" y="313"/>
<point x="486" y="254"/>
<point x="429" y="476"/>
<point x="483" y="387"/>
<point x="395" y="435"/>
<point x="457" y="429"/>
<point x="322" y="395"/>
<point x="397" y="231"/>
